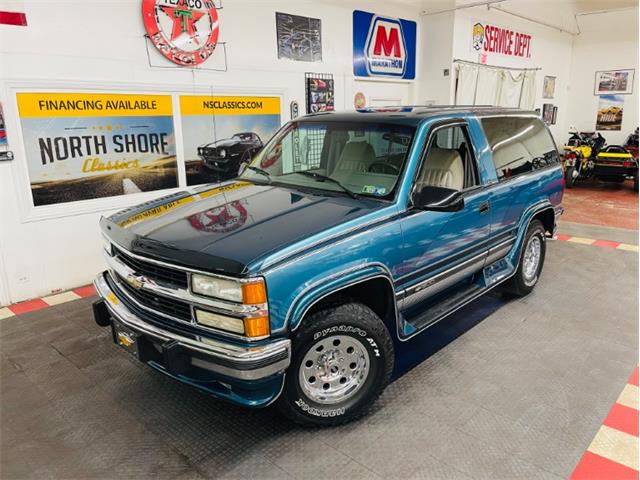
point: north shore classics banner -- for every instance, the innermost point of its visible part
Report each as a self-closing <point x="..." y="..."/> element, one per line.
<point x="81" y="146"/>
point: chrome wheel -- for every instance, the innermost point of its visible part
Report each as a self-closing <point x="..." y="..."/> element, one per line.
<point x="334" y="369"/>
<point x="531" y="259"/>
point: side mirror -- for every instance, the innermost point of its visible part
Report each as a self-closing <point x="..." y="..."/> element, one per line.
<point x="438" y="199"/>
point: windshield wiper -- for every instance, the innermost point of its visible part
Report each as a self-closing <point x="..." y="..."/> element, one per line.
<point x="260" y="171"/>
<point x="321" y="178"/>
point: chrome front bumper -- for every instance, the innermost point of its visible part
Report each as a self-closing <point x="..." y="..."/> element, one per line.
<point x="247" y="363"/>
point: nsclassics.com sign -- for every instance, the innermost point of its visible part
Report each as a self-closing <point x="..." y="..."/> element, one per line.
<point x="383" y="46"/>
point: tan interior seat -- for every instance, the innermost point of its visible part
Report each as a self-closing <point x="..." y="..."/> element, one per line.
<point x="356" y="157"/>
<point x="443" y="168"/>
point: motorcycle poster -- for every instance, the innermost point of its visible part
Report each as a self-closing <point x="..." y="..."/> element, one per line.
<point x="221" y="132"/>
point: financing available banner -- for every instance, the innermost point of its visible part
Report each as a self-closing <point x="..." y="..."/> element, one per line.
<point x="81" y="146"/>
<point x="220" y="132"/>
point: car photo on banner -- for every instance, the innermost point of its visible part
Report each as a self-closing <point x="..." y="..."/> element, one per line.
<point x="222" y="132"/>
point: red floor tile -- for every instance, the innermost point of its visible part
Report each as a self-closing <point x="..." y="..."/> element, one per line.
<point x="623" y="418"/>
<point x="633" y="379"/>
<point x="606" y="244"/>
<point x="87" y="291"/>
<point x="607" y="204"/>
<point x="595" y="467"/>
<point x="563" y="238"/>
<point x="28" y="306"/>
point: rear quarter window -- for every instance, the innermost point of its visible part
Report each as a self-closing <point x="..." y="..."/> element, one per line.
<point x="519" y="145"/>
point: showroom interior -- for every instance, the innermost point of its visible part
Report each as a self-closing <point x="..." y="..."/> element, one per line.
<point x="109" y="114"/>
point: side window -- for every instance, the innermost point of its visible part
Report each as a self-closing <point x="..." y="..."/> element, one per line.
<point x="449" y="161"/>
<point x="519" y="144"/>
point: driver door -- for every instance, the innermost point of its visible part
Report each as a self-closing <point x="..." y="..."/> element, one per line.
<point x="441" y="248"/>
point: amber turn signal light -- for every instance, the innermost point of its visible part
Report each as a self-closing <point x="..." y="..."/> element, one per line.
<point x="256" y="327"/>
<point x="254" y="293"/>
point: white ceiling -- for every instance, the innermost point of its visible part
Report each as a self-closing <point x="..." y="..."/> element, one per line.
<point x="568" y="7"/>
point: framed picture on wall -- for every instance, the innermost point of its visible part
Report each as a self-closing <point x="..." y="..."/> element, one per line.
<point x="319" y="92"/>
<point x="299" y="38"/>
<point x="549" y="87"/>
<point x="554" y="117"/>
<point x="547" y="113"/>
<point x="614" y="82"/>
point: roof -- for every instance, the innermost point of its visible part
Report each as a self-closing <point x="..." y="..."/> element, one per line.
<point x="410" y="114"/>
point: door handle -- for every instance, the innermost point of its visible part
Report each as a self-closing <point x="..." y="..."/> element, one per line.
<point x="484" y="207"/>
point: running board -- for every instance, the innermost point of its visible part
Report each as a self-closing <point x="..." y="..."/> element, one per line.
<point x="441" y="309"/>
<point x="490" y="276"/>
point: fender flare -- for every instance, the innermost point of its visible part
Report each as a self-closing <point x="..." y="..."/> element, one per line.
<point x="526" y="219"/>
<point x="334" y="283"/>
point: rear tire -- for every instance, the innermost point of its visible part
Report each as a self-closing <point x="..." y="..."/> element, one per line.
<point x="532" y="257"/>
<point x="341" y="362"/>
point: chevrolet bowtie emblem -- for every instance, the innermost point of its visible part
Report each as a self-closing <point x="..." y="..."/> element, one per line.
<point x="135" y="281"/>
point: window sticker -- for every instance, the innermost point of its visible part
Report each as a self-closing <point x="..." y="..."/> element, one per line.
<point x="377" y="190"/>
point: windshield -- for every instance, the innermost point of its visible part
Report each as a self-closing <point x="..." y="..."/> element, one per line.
<point x="356" y="158"/>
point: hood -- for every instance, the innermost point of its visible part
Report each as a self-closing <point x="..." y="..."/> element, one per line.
<point x="225" y="142"/>
<point x="224" y="228"/>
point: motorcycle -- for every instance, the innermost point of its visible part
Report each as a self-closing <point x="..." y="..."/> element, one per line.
<point x="579" y="154"/>
<point x="588" y="156"/>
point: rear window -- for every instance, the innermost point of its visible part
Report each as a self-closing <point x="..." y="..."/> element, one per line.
<point x="519" y="145"/>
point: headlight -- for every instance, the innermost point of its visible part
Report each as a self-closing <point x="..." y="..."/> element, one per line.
<point x="222" y="152"/>
<point x="250" y="293"/>
<point x="216" y="287"/>
<point x="106" y="245"/>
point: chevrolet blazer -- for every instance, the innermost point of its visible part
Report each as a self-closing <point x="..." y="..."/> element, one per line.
<point x="349" y="234"/>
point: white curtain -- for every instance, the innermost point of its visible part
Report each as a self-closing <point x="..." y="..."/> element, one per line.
<point x="466" y="87"/>
<point x="528" y="97"/>
<point x="489" y="86"/>
<point x="484" y="85"/>
<point x="510" y="88"/>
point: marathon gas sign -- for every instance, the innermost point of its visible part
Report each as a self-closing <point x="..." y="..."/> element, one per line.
<point x="488" y="38"/>
<point x="383" y="46"/>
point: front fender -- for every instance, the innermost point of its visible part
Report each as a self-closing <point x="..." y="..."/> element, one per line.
<point x="331" y="283"/>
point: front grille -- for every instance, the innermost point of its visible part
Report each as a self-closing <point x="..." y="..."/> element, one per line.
<point x="154" y="271"/>
<point x="166" y="305"/>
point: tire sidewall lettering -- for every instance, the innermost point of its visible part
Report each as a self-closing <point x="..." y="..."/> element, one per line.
<point x="318" y="412"/>
<point x="339" y="329"/>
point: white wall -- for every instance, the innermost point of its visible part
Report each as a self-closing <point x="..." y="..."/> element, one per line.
<point x="551" y="52"/>
<point x="98" y="45"/>
<point x="608" y="41"/>
<point x="435" y="52"/>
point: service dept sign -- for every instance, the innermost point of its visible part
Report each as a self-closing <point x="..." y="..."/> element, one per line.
<point x="487" y="38"/>
<point x="184" y="31"/>
<point x="383" y="46"/>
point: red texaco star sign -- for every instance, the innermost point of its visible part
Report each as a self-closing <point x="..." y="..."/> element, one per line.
<point x="184" y="31"/>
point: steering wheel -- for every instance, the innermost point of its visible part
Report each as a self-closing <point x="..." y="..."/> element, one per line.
<point x="381" y="167"/>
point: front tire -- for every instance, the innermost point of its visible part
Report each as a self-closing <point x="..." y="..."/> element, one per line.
<point x="342" y="360"/>
<point x="569" y="179"/>
<point x="532" y="256"/>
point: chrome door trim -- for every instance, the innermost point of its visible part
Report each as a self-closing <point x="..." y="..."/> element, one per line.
<point x="442" y="280"/>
